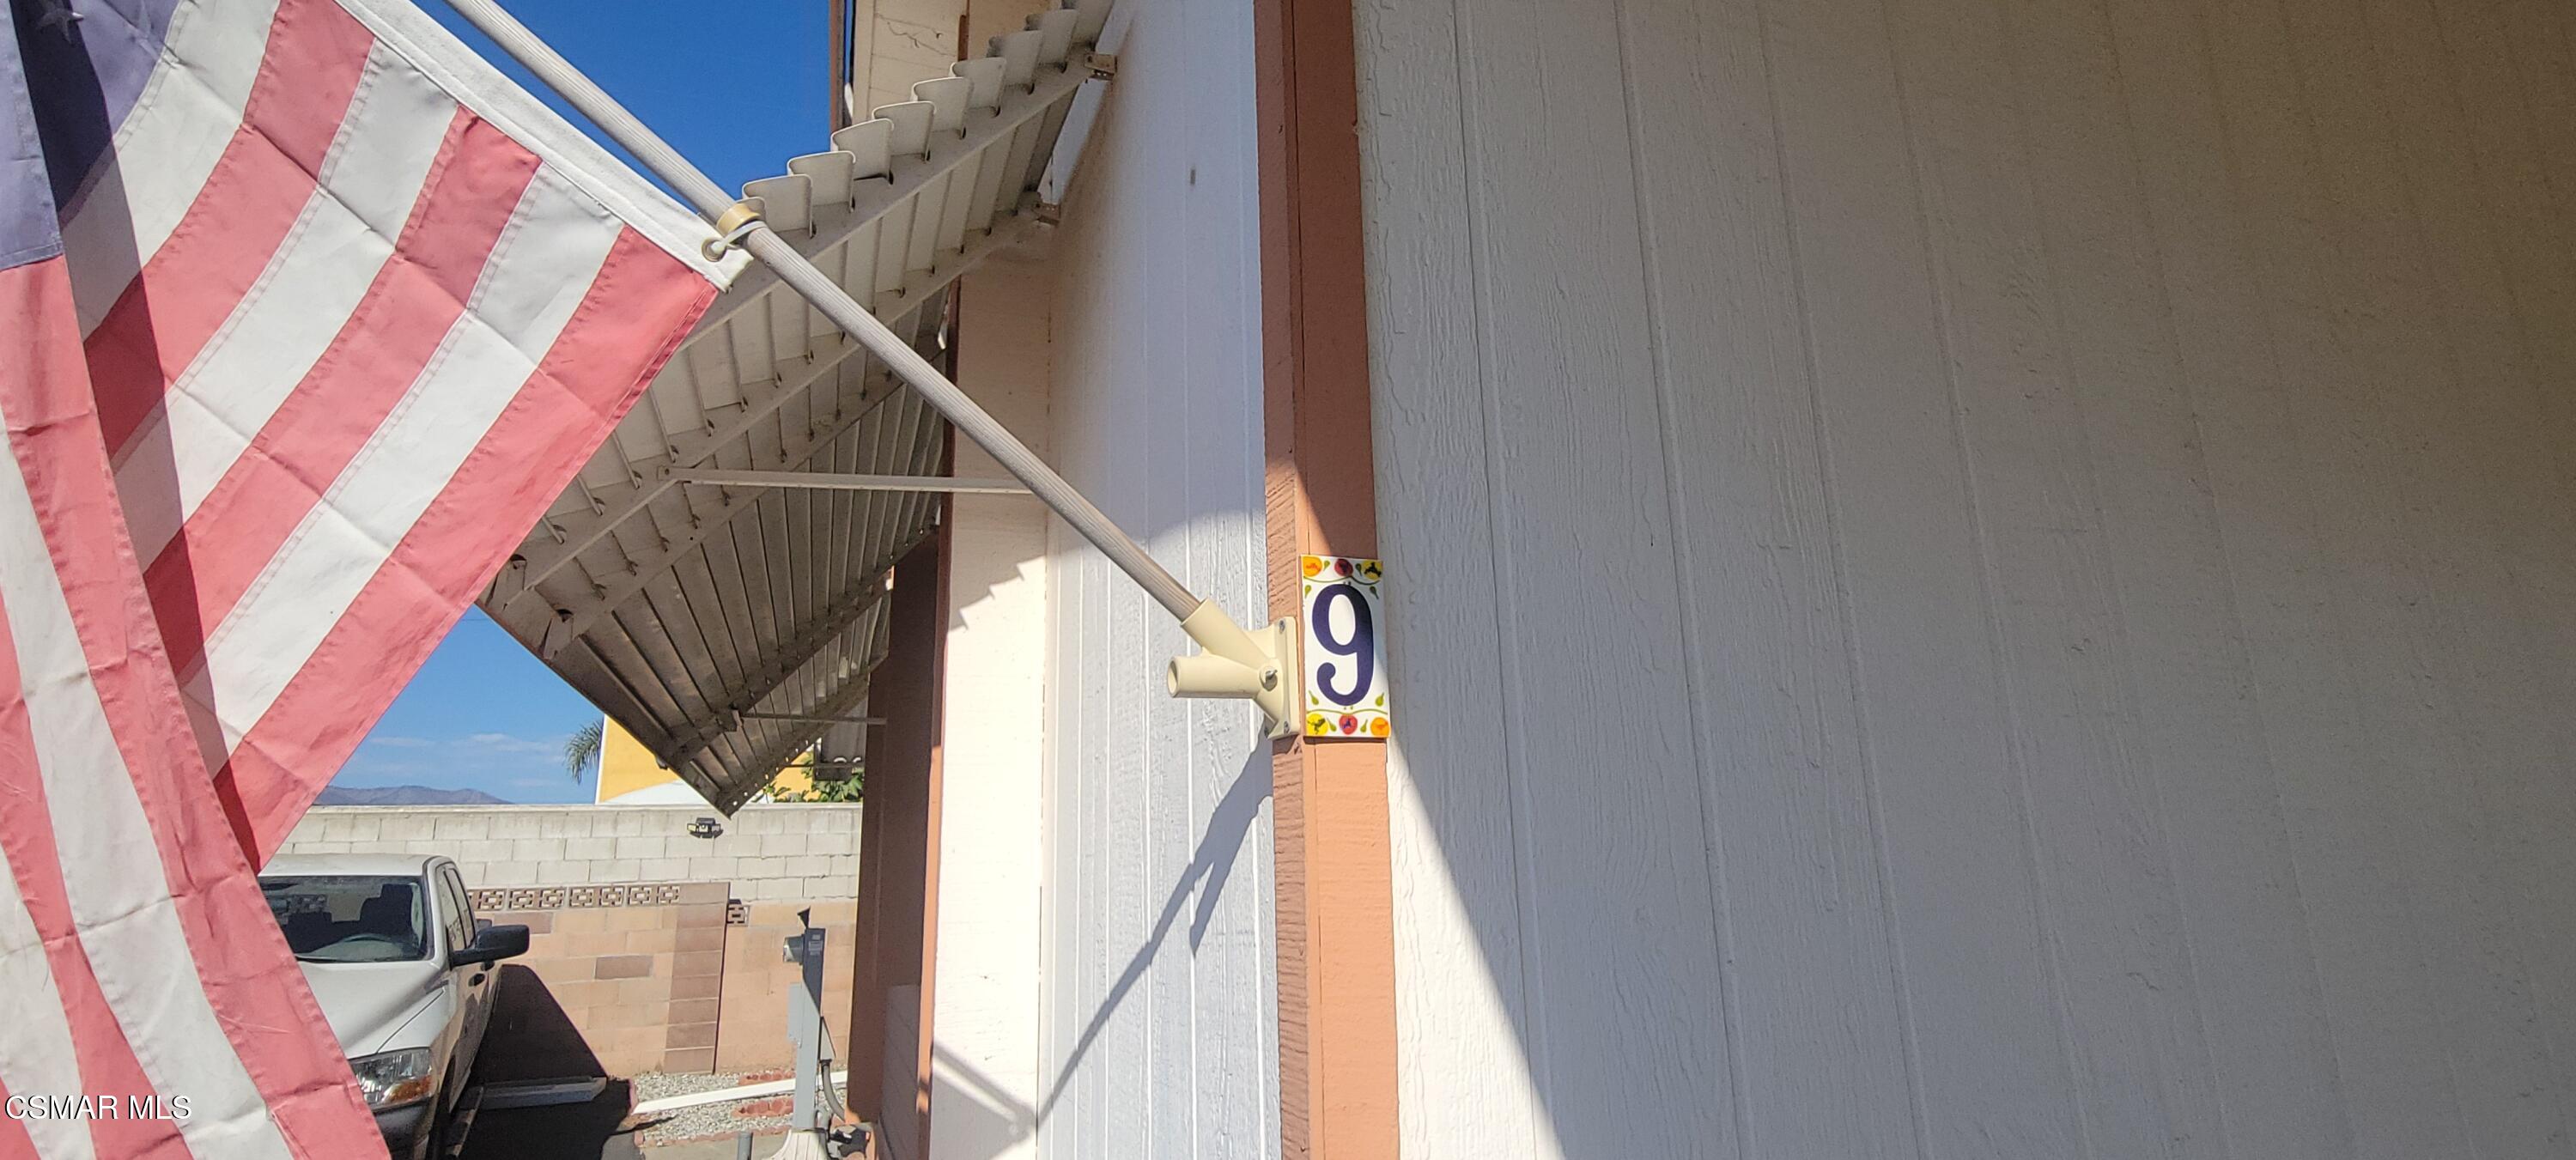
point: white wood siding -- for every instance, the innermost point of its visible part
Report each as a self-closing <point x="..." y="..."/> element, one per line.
<point x="1979" y="578"/>
<point x="1159" y="993"/>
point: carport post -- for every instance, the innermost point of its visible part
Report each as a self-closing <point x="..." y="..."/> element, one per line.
<point x="1256" y="667"/>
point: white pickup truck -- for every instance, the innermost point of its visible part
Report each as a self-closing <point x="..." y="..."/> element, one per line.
<point x="404" y="973"/>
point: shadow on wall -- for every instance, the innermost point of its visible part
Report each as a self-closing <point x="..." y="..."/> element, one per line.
<point x="531" y="1037"/>
<point x="976" y="1118"/>
<point x="1210" y="865"/>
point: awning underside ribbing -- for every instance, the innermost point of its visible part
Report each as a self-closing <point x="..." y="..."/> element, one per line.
<point x="727" y="627"/>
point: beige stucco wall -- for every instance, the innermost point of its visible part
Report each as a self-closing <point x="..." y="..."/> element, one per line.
<point x="1979" y="578"/>
<point x="985" y="1083"/>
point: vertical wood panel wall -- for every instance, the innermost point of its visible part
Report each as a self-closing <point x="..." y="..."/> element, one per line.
<point x="1158" y="1004"/>
<point x="1979" y="578"/>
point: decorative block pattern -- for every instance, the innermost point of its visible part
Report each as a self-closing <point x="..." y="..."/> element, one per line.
<point x="576" y="897"/>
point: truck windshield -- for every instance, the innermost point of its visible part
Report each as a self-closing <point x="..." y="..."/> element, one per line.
<point x="350" y="918"/>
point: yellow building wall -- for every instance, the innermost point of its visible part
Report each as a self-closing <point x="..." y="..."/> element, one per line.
<point x="625" y="766"/>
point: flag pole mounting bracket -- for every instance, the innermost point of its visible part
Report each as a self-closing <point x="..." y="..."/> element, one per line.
<point x="732" y="226"/>
<point x="1259" y="665"/>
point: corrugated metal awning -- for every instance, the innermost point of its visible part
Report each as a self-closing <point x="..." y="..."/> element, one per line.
<point x="727" y="626"/>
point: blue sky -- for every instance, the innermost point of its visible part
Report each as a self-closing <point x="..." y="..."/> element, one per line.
<point x="736" y="87"/>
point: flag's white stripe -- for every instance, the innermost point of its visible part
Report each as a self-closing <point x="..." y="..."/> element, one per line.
<point x="165" y="148"/>
<point x="370" y="179"/>
<point x="112" y="871"/>
<point x="538" y="274"/>
<point x="36" y="1053"/>
<point x="498" y="99"/>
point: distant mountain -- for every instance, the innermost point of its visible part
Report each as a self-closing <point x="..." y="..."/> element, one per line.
<point x="404" y="795"/>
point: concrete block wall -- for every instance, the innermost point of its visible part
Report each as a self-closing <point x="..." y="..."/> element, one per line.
<point x="633" y="964"/>
<point x="659" y="986"/>
<point x="638" y="981"/>
<point x="782" y="853"/>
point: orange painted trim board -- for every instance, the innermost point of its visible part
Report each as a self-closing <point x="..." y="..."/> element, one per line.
<point x="1336" y="938"/>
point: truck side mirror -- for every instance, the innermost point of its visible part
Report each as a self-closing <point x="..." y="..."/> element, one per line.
<point x="491" y="945"/>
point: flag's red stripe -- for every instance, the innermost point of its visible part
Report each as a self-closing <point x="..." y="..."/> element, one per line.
<point x="242" y="963"/>
<point x="107" y="1062"/>
<point x="473" y="188"/>
<point x="635" y="314"/>
<point x="37" y="300"/>
<point x="316" y="54"/>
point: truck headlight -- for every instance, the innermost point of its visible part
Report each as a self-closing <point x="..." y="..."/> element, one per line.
<point x="393" y="1078"/>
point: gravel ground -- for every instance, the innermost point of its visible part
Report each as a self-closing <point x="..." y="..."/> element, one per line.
<point x="764" y="1116"/>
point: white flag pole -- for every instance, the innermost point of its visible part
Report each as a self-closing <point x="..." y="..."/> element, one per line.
<point x="1237" y="663"/>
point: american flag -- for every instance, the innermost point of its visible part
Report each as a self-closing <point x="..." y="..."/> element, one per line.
<point x="305" y="315"/>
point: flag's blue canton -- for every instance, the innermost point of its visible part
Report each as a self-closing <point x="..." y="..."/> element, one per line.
<point x="27" y="231"/>
<point x="79" y="67"/>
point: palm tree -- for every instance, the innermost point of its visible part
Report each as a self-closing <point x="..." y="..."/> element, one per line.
<point x="582" y="749"/>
